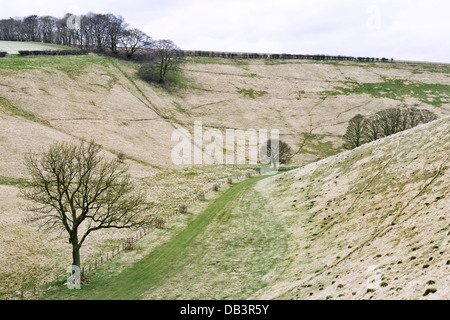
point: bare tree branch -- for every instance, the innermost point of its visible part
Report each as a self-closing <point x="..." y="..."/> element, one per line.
<point x="77" y="188"/>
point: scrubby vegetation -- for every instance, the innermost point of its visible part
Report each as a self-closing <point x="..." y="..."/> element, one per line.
<point x="52" y="52"/>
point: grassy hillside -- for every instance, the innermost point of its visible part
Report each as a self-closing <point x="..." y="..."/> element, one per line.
<point x="47" y="99"/>
<point x="372" y="223"/>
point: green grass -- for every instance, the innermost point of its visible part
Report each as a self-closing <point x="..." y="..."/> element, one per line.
<point x="8" y="108"/>
<point x="420" y="68"/>
<point x="222" y="254"/>
<point x="397" y="90"/>
<point x="217" y="60"/>
<point x="73" y="66"/>
<point x="275" y="62"/>
<point x="7" y="181"/>
<point x="315" y="145"/>
<point x="251" y="93"/>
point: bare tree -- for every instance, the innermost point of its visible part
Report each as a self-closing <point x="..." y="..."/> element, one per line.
<point x="384" y="123"/>
<point x="415" y="117"/>
<point x="405" y="119"/>
<point x="114" y="29"/>
<point x="390" y="121"/>
<point x="133" y="40"/>
<point x="277" y="151"/>
<point x="98" y="24"/>
<point x="428" y="116"/>
<point x="77" y="188"/>
<point x="11" y="30"/>
<point x="48" y="26"/>
<point x="30" y="28"/>
<point x="372" y="129"/>
<point x="354" y="137"/>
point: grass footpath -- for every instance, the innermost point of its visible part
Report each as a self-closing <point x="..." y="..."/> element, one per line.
<point x="226" y="252"/>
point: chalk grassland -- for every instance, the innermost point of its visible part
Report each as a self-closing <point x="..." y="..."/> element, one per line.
<point x="48" y="99"/>
<point x="373" y="223"/>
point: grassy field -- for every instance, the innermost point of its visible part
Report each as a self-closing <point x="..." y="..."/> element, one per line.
<point x="226" y="251"/>
<point x="434" y="94"/>
<point x="13" y="47"/>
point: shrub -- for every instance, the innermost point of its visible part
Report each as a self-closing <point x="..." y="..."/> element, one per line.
<point x="430" y="290"/>
<point x="150" y="72"/>
<point x="52" y="52"/>
<point x="121" y="156"/>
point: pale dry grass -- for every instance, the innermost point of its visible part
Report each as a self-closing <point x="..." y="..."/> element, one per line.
<point x="108" y="103"/>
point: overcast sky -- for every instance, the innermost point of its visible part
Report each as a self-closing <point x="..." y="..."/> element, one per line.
<point x="411" y="30"/>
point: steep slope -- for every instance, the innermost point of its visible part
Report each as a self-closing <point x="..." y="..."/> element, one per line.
<point x="372" y="223"/>
<point x="48" y="99"/>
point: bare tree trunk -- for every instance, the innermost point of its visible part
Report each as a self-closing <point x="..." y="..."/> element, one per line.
<point x="76" y="260"/>
<point x="76" y="256"/>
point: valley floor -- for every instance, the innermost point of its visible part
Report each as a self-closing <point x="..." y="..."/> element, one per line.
<point x="232" y="247"/>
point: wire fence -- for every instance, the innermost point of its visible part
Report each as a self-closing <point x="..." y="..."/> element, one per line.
<point x="30" y="290"/>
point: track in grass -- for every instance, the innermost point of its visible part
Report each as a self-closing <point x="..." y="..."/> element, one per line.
<point x="223" y="254"/>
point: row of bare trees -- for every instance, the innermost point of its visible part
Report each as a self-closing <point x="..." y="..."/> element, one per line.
<point x="283" y="56"/>
<point x="92" y="31"/>
<point x="384" y="123"/>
